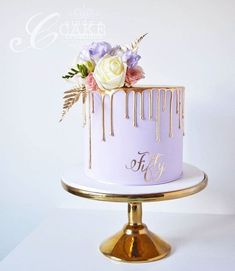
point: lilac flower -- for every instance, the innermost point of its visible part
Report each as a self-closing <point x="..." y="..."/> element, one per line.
<point x="99" y="49"/>
<point x="84" y="54"/>
<point x="95" y="51"/>
<point x="131" y="58"/>
<point x="116" y="51"/>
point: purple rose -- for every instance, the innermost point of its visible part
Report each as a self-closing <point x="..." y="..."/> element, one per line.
<point x="131" y="58"/>
<point x="99" y="49"/>
<point x="95" y="51"/>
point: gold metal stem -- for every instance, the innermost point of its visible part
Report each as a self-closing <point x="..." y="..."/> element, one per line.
<point x="135" y="213"/>
<point x="135" y="243"/>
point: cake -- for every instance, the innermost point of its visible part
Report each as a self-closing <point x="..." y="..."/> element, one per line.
<point x="133" y="133"/>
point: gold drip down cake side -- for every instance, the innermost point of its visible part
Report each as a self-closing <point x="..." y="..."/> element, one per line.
<point x="134" y="136"/>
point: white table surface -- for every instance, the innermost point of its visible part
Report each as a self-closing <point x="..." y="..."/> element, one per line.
<point x="69" y="240"/>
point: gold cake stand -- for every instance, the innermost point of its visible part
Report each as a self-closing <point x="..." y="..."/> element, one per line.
<point x="135" y="243"/>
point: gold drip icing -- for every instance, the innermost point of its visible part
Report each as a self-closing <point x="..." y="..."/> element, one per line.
<point x="177" y="100"/>
<point x="171" y="112"/>
<point x="180" y="109"/>
<point x="175" y="105"/>
<point x="84" y="109"/>
<point x="142" y="105"/>
<point x="126" y="105"/>
<point x="92" y="103"/>
<point x="183" y="97"/>
<point x="111" y="114"/>
<point x="89" y="119"/>
<point x="103" y="116"/>
<point x="151" y="104"/>
<point x="158" y="112"/>
<point x="164" y="100"/>
<point x="134" y="109"/>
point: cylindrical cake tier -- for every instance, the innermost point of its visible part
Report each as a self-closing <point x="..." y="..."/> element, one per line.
<point x="134" y="136"/>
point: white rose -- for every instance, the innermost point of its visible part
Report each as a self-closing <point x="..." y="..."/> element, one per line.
<point x="110" y="72"/>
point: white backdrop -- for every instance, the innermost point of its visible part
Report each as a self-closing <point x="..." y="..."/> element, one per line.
<point x="190" y="43"/>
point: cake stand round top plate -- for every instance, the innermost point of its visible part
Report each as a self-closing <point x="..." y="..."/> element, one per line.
<point x="76" y="182"/>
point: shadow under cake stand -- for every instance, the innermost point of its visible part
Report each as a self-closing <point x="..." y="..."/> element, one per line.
<point x="135" y="243"/>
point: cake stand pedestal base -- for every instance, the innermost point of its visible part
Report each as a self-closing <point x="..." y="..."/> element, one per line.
<point x="135" y="243"/>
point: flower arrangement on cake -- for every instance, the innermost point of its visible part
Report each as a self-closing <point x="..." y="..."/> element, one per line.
<point x="100" y="66"/>
<point x="149" y="118"/>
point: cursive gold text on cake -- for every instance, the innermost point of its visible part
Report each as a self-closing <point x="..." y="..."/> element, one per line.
<point x="151" y="165"/>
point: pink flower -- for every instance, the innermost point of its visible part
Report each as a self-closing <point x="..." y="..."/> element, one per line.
<point x="133" y="75"/>
<point x="90" y="82"/>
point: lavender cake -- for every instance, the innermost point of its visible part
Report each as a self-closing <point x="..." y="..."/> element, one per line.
<point x="133" y="133"/>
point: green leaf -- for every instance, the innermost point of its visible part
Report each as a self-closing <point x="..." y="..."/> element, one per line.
<point x="81" y="69"/>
